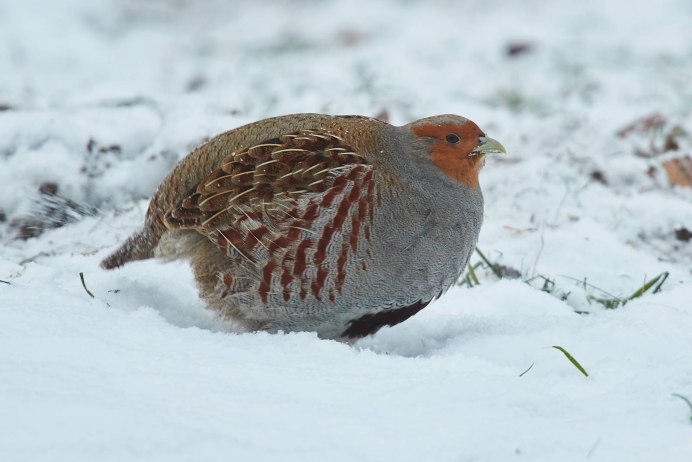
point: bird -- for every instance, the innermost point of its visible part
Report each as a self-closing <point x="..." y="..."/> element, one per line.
<point x="337" y="225"/>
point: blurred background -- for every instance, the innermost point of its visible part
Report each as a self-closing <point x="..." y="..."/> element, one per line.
<point x="98" y="100"/>
<point x="590" y="212"/>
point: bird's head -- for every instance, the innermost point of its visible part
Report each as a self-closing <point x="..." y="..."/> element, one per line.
<point x="456" y="146"/>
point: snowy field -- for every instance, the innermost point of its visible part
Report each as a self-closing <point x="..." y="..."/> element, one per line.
<point x="593" y="101"/>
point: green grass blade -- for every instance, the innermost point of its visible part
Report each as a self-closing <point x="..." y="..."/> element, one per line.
<point x="572" y="360"/>
<point x="527" y="370"/>
<point x="81" y="276"/>
<point x="648" y="285"/>
<point x="487" y="262"/>
<point x="657" y="289"/>
<point x="586" y="284"/>
<point x="472" y="275"/>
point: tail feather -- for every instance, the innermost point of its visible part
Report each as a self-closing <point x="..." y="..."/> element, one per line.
<point x="139" y="246"/>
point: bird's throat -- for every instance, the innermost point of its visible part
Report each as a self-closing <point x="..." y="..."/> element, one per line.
<point x="463" y="169"/>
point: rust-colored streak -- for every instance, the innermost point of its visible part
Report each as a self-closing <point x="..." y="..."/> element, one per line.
<point x="366" y="232"/>
<point x="336" y="189"/>
<point x="311" y="211"/>
<point x="228" y="239"/>
<point x="255" y="236"/>
<point x="222" y="243"/>
<point x="280" y="242"/>
<point x="453" y="159"/>
<point x="240" y="219"/>
<point x="291" y="243"/>
<point x="368" y="180"/>
<point x="233" y="235"/>
<point x="294" y="232"/>
<point x="286" y="277"/>
<point x="355" y="192"/>
<point x="341" y="214"/>
<point x="323" y="242"/>
<point x="285" y="281"/>
<point x="227" y="279"/>
<point x="265" y="284"/>
<point x="355" y="226"/>
<point x="301" y="257"/>
<point x="319" y="282"/>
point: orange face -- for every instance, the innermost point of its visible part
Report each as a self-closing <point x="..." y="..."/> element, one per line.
<point x="454" y="149"/>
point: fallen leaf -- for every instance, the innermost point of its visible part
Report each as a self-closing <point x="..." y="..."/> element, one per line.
<point x="679" y="171"/>
<point x="643" y="125"/>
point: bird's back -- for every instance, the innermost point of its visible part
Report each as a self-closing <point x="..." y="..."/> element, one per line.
<point x="197" y="165"/>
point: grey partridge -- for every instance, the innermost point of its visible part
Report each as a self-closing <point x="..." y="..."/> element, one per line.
<point x="334" y="224"/>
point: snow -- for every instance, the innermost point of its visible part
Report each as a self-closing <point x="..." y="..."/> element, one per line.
<point x="103" y="98"/>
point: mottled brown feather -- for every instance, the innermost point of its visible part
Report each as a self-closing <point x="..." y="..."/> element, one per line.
<point x="249" y="203"/>
<point x="306" y="161"/>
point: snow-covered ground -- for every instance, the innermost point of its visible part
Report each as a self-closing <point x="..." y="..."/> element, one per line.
<point x="592" y="99"/>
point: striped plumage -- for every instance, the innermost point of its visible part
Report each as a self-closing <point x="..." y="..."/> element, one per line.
<point x="322" y="223"/>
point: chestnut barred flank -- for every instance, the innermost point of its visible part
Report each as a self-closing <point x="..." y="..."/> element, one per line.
<point x="260" y="202"/>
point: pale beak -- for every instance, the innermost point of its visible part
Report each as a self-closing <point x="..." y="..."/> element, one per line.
<point x="488" y="146"/>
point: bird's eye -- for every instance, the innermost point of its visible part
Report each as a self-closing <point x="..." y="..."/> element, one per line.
<point x="452" y="138"/>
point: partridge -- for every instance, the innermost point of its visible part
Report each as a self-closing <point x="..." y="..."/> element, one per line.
<point x="333" y="224"/>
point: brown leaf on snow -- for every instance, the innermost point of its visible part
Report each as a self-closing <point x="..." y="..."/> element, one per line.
<point x="679" y="171"/>
<point x="643" y="125"/>
<point x="657" y="132"/>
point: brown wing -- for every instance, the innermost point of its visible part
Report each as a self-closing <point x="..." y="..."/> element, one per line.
<point x="267" y="175"/>
<point x="279" y="204"/>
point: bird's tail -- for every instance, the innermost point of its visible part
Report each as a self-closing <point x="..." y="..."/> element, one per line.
<point x="139" y="246"/>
